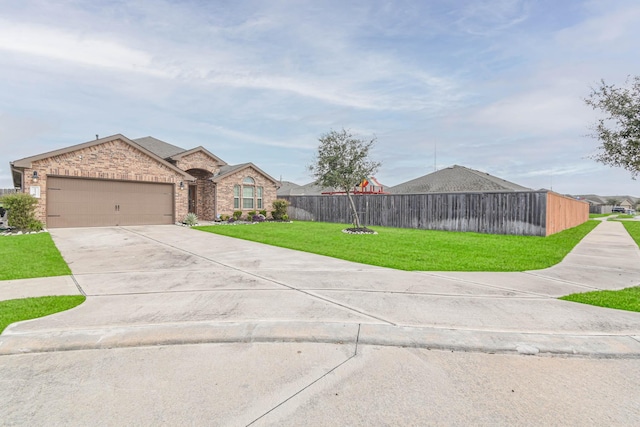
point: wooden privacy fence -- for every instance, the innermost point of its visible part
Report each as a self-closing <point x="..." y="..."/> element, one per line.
<point x="531" y="213"/>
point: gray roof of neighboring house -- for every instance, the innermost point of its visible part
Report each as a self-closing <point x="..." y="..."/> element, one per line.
<point x="592" y="198"/>
<point x="310" y="189"/>
<point x="604" y="200"/>
<point x="159" y="148"/>
<point x="286" y="187"/>
<point x="455" y="179"/>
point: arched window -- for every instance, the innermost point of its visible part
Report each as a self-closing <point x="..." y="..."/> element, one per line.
<point x="248" y="181"/>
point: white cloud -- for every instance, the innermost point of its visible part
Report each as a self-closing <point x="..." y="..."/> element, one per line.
<point x="489" y="17"/>
<point x="66" y="45"/>
<point x="498" y="84"/>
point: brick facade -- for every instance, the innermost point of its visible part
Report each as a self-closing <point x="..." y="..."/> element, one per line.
<point x="199" y="160"/>
<point x="119" y="159"/>
<point x="111" y="160"/>
<point x="202" y="195"/>
<point x="225" y="191"/>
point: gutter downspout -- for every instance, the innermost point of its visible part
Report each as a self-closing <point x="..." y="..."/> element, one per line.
<point x="215" y="199"/>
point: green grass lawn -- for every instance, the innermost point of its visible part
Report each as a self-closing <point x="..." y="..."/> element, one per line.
<point x="625" y="299"/>
<point x="30" y="255"/>
<point x="598" y="215"/>
<point x="622" y="216"/>
<point x="411" y="249"/>
<point x="16" y="310"/>
<point x="633" y="228"/>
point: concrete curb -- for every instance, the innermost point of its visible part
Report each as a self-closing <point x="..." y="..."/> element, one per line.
<point x="581" y="345"/>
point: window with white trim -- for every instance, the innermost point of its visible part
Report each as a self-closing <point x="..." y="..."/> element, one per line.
<point x="236" y="197"/>
<point x="259" y="197"/>
<point x="247" y="197"/>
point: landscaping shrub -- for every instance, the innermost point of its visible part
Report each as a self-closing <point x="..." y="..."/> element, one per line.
<point x="258" y="218"/>
<point x="263" y="212"/>
<point x="190" y="219"/>
<point x="237" y="215"/>
<point x="280" y="209"/>
<point x="224" y="217"/>
<point x="22" y="211"/>
<point x="251" y="214"/>
<point x="232" y="219"/>
<point x="35" y="225"/>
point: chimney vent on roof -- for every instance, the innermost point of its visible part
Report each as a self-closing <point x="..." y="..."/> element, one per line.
<point x="97" y="136"/>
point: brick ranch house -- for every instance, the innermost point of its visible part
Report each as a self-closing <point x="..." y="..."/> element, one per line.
<point x="119" y="181"/>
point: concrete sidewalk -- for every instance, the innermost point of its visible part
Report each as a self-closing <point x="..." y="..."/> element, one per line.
<point x="169" y="285"/>
<point x="182" y="327"/>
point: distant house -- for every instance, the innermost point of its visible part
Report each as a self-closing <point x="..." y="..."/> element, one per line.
<point x="456" y="179"/>
<point x="628" y="202"/>
<point x="602" y="204"/>
<point x="121" y="181"/>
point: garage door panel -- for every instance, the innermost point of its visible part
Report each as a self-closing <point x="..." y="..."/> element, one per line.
<point x="76" y="202"/>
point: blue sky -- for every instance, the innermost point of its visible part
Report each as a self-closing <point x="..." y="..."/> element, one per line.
<point x="494" y="85"/>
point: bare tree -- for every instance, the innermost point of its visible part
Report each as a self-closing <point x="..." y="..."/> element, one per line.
<point x="342" y="162"/>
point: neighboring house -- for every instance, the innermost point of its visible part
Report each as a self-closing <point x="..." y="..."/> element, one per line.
<point x="368" y="186"/>
<point x="120" y="181"/>
<point x="627" y="203"/>
<point x="597" y="204"/>
<point x="456" y="179"/>
<point x="601" y="204"/>
<point x="310" y="189"/>
<point x="286" y="187"/>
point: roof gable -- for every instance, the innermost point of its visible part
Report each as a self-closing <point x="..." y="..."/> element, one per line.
<point x="227" y="170"/>
<point x="27" y="161"/>
<point x="201" y="149"/>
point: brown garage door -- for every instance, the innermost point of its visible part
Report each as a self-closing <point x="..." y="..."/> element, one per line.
<point x="76" y="202"/>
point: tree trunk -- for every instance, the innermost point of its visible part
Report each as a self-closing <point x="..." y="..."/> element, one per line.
<point x="356" y="220"/>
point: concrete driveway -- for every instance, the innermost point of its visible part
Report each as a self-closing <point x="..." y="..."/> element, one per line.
<point x="187" y="327"/>
<point x="170" y="283"/>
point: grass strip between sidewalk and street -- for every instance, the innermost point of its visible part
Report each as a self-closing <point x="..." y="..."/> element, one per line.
<point x="633" y="228"/>
<point x="30" y="255"/>
<point x="16" y="310"/>
<point x="413" y="249"/>
<point x="621" y="216"/>
<point x="625" y="299"/>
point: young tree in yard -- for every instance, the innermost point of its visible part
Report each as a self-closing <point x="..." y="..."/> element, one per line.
<point x="342" y="162"/>
<point x="619" y="130"/>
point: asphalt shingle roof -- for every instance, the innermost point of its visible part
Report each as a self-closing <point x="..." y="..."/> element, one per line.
<point x="455" y="179"/>
<point x="159" y="148"/>
<point x="286" y="187"/>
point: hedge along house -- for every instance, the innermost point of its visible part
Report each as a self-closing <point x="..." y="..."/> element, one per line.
<point x="119" y="181"/>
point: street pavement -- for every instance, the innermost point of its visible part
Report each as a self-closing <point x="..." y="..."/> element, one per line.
<point x="186" y="327"/>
